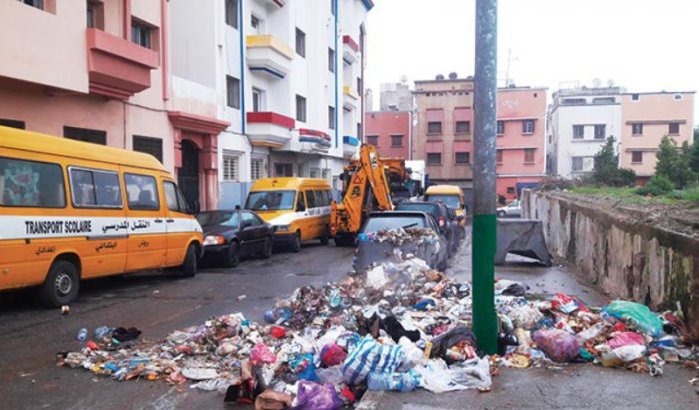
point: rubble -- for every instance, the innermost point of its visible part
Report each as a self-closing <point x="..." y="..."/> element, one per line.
<point x="397" y="326"/>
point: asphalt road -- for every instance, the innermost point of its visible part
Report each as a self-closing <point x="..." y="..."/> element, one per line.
<point x="153" y="302"/>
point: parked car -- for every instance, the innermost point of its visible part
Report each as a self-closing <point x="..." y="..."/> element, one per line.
<point x="443" y="215"/>
<point x="513" y="210"/>
<point x="369" y="252"/>
<point x="230" y="235"/>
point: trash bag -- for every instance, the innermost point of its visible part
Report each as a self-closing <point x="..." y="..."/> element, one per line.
<point x="645" y="320"/>
<point x="314" y="396"/>
<point x="402" y="382"/>
<point x="626" y="339"/>
<point x="445" y="341"/>
<point x="622" y="355"/>
<point x="525" y="316"/>
<point x="438" y="378"/>
<point x="370" y="355"/>
<point x="261" y="354"/>
<point x="558" y="345"/>
<point x="332" y="355"/>
<point x="303" y="366"/>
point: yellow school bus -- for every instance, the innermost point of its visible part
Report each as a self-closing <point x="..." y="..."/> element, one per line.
<point x="299" y="208"/>
<point x="72" y="210"/>
<point x="452" y="196"/>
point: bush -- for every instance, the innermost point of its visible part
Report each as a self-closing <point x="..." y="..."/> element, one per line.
<point x="627" y="177"/>
<point x="658" y="185"/>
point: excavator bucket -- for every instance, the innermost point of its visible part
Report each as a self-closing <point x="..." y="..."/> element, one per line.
<point x="523" y="237"/>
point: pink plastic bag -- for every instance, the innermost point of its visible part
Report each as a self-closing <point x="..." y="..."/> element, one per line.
<point x="261" y="354"/>
<point x="314" y="396"/>
<point x="558" y="345"/>
<point x="626" y="339"/>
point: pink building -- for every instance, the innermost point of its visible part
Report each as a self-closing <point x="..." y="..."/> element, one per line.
<point x="646" y="119"/>
<point x="389" y="132"/>
<point x="443" y="133"/>
<point x="98" y="71"/>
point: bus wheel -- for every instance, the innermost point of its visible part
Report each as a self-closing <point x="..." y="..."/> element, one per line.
<point x="61" y="285"/>
<point x="189" y="267"/>
<point x="296" y="243"/>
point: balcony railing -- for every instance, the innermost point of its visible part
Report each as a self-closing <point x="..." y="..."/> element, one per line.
<point x="269" y="129"/>
<point x="350" y="99"/>
<point x="350" y="146"/>
<point x="269" y="56"/>
<point x="350" y="49"/>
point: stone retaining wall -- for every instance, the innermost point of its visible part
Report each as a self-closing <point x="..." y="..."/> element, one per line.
<point x="628" y="258"/>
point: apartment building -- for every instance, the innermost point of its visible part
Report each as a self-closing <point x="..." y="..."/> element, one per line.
<point x="395" y="97"/>
<point x="646" y="119"/>
<point x="443" y="133"/>
<point x="580" y="121"/>
<point x="390" y="132"/>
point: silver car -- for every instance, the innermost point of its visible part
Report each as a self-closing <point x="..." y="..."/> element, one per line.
<point x="513" y="210"/>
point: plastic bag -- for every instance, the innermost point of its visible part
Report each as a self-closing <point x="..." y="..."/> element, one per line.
<point x="438" y="378"/>
<point x="302" y="365"/>
<point x="592" y="332"/>
<point x="558" y="345"/>
<point x="645" y="320"/>
<point x="564" y="303"/>
<point x="332" y="375"/>
<point x="459" y="335"/>
<point x="623" y="354"/>
<point x="402" y="382"/>
<point x="626" y="339"/>
<point x="525" y="316"/>
<point x="261" y="354"/>
<point x="370" y="355"/>
<point x="332" y="355"/>
<point x="314" y="396"/>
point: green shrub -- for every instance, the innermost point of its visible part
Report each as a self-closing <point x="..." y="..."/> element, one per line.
<point x="656" y="186"/>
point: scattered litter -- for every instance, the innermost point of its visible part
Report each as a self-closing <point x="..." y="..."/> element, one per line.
<point x="242" y="297"/>
<point x="65" y="310"/>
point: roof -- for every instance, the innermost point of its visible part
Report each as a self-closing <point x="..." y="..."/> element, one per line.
<point x="268" y="184"/>
<point x="443" y="189"/>
<point x="46" y="144"/>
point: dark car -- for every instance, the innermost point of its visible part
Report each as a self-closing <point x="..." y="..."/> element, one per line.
<point x="443" y="215"/>
<point x="230" y="235"/>
<point x="369" y="251"/>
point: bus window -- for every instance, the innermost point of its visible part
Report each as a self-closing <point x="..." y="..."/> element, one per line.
<point x="31" y="184"/>
<point x="95" y="188"/>
<point x="142" y="192"/>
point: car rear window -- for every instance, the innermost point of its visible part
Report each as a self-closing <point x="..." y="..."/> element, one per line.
<point x="375" y="224"/>
<point x="411" y="206"/>
<point x="452" y="201"/>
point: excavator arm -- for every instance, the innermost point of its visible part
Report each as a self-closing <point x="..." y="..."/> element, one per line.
<point x="366" y="190"/>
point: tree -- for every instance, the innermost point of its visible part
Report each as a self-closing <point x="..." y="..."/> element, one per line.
<point x="673" y="163"/>
<point x="694" y="153"/>
<point x="607" y="171"/>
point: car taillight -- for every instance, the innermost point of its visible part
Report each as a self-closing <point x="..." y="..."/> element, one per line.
<point x="442" y="221"/>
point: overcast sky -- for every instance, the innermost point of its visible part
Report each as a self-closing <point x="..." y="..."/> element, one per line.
<point x="643" y="45"/>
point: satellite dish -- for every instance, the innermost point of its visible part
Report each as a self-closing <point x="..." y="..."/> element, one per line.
<point x="404" y="79"/>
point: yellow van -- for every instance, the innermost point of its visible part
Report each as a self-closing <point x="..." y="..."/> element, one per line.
<point x="72" y="210"/>
<point x="451" y="196"/>
<point x="299" y="208"/>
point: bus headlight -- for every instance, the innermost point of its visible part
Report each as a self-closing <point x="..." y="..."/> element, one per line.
<point x="283" y="228"/>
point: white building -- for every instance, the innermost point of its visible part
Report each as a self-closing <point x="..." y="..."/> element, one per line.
<point x="286" y="75"/>
<point x="579" y="123"/>
<point x="396" y="97"/>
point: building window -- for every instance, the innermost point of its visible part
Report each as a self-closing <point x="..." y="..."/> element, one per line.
<point x="332" y="6"/>
<point x="141" y="192"/>
<point x="603" y="100"/>
<point x="498" y="156"/>
<point x="149" y="145"/>
<point x="372" y="140"/>
<point x="434" y="158"/>
<point x="396" y="140"/>
<point x="463" y="157"/>
<point x="141" y="34"/>
<point x="501" y="128"/>
<point x="578" y="132"/>
<point x="283" y="170"/>
<point x="331" y="118"/>
<point x="636" y="157"/>
<point x="86" y="135"/>
<point x="256" y="24"/>
<point x="31" y="184"/>
<point x="574" y="101"/>
<point x="231" y="166"/>
<point x="232" y="13"/>
<point x="258" y="168"/>
<point x="600" y="131"/>
<point x="463" y="127"/>
<point x="39" y="4"/>
<point x="331" y="60"/>
<point x="674" y="128"/>
<point x="258" y="100"/>
<point x="300" y="43"/>
<point x="577" y="164"/>
<point x="637" y="129"/>
<point x="95" y="188"/>
<point x="360" y="86"/>
<point x="528" y="127"/>
<point x="233" y="92"/>
<point x="635" y="97"/>
<point x="529" y="155"/>
<point x="95" y="14"/>
<point x="434" y="128"/>
<point x="300" y="108"/>
<point x="12" y="123"/>
<point x="360" y="131"/>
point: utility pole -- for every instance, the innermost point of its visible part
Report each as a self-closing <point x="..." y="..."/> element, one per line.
<point x="484" y="177"/>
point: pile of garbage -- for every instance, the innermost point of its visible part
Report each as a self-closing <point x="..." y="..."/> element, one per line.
<point x="397" y="326"/>
<point x="399" y="236"/>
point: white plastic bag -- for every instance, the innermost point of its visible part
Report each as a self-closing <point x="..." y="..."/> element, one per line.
<point x="438" y="378"/>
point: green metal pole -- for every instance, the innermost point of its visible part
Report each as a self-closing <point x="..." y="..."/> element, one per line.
<point x="484" y="177"/>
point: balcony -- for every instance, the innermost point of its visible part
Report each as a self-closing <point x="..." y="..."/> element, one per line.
<point x="314" y="141"/>
<point x="350" y="49"/>
<point x="277" y="4"/>
<point x="269" y="56"/>
<point x="350" y="99"/>
<point x="117" y="67"/>
<point x="269" y="129"/>
<point x="350" y="146"/>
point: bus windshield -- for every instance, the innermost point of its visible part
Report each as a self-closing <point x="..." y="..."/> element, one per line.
<point x="271" y="200"/>
<point x="452" y="201"/>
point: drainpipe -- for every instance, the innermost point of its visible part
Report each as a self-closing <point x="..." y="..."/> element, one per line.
<point x="242" y="66"/>
<point x="164" y="48"/>
<point x="337" y="78"/>
<point x="410" y="135"/>
<point x="484" y="181"/>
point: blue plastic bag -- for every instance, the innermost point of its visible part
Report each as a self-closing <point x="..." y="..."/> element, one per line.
<point x="370" y="356"/>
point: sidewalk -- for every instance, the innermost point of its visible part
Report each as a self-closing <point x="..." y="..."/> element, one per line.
<point x="576" y="386"/>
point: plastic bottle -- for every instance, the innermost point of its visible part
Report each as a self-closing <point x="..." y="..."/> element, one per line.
<point x="403" y="382"/>
<point x="82" y="334"/>
<point x="102" y="332"/>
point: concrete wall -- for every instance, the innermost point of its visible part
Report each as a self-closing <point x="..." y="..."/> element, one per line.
<point x="629" y="260"/>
